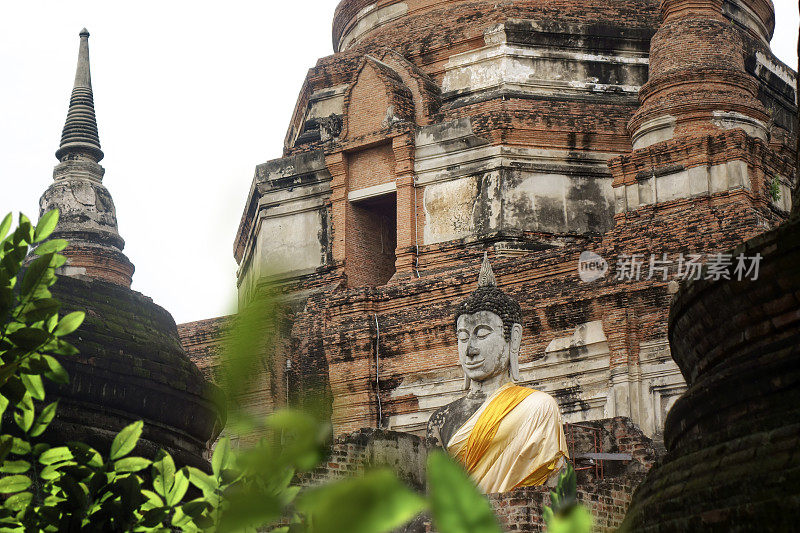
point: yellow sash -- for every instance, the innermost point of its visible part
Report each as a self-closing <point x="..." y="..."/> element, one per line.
<point x="486" y="426"/>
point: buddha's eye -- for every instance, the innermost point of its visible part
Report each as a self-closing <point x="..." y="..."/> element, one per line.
<point x="482" y="332"/>
<point x="463" y="336"/>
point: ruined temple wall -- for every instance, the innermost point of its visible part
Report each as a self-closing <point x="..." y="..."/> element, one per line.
<point x="534" y="130"/>
<point x="204" y="342"/>
<point x="518" y="510"/>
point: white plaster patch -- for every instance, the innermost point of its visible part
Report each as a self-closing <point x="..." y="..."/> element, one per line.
<point x="728" y="120"/>
<point x="654" y="131"/>
<point x="326" y="102"/>
<point x="784" y="201"/>
<point x="494" y="187"/>
<point x="288" y="243"/>
<point x="672" y="186"/>
<point x="369" y="18"/>
<point x="655" y="387"/>
<point x="448" y="209"/>
<point x="780" y="71"/>
<point x="738" y="11"/>
<point x="584" y="334"/>
<point x="371" y="192"/>
<point x="689" y="183"/>
<point x="539" y="69"/>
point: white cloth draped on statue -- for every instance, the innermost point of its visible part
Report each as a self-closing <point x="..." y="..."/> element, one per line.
<point x="524" y="447"/>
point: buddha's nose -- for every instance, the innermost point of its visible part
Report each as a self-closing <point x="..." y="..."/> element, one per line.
<point x="472" y="350"/>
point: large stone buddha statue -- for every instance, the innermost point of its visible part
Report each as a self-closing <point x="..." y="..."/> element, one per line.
<point x="505" y="435"/>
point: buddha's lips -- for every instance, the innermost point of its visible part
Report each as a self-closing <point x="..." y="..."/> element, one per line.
<point x="474" y="364"/>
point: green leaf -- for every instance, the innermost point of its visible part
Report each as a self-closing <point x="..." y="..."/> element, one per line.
<point x="222" y="456"/>
<point x="42" y="310"/>
<point x="153" y="498"/>
<point x="33" y="384"/>
<point x="131" y="464"/>
<point x="374" y="503"/>
<point x="69" y="323"/>
<point x="15" y="467"/>
<point x="179" y="487"/>
<point x="305" y="438"/>
<point x="56" y="374"/>
<point x="24" y="416"/>
<point x="152" y="520"/>
<point x="290" y="494"/>
<point x="566" y="492"/>
<point x="20" y="447"/>
<point x="86" y="455"/>
<point x="51" y="246"/>
<point x="456" y="504"/>
<point x="56" y="455"/>
<point x="74" y="491"/>
<point x="39" y="448"/>
<point x="46" y="225"/>
<point x="163" y="473"/>
<point x="202" y="481"/>
<point x="6" y="443"/>
<point x="51" y="472"/>
<point x="195" y="507"/>
<point x="35" y="364"/>
<point x="64" y="348"/>
<point x="18" y="502"/>
<point x="249" y="509"/>
<point x="577" y="520"/>
<point x="12" y="387"/>
<point x="16" y="483"/>
<point x="547" y="514"/>
<point x="126" y="440"/>
<point x="44" y="419"/>
<point x="181" y="519"/>
<point x="29" y="338"/>
<point x="35" y="273"/>
<point x="5" y="225"/>
<point x="3" y="404"/>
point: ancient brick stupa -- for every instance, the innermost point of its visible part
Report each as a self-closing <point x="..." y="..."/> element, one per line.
<point x="131" y="365"/>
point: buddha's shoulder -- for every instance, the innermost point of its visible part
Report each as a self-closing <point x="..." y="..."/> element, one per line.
<point x="541" y="400"/>
<point x="460" y="406"/>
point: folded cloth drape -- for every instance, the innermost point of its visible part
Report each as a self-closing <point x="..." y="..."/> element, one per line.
<point x="515" y="439"/>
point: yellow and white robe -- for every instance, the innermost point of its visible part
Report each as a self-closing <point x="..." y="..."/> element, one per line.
<point x="515" y="439"/>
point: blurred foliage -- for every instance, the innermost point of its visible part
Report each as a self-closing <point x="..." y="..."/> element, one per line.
<point x="774" y="189"/>
<point x="565" y="514"/>
<point x="73" y="487"/>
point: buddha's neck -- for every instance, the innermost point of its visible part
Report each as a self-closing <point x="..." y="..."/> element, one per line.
<point x="489" y="385"/>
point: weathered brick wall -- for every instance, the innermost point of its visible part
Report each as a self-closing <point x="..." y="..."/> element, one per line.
<point x="204" y="341"/>
<point x="369" y="167"/>
<point x="732" y="438"/>
<point x="607" y="500"/>
<point x="518" y="510"/>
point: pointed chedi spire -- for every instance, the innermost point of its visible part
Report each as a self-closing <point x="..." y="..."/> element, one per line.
<point x="80" y="129"/>
<point x="88" y="217"/>
<point x="486" y="277"/>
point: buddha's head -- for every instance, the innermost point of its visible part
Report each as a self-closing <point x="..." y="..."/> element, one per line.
<point x="489" y="330"/>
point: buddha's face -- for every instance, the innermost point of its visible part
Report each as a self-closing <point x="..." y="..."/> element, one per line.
<point x="482" y="349"/>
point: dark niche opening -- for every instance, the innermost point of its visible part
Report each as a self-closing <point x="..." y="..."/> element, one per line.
<point x="371" y="254"/>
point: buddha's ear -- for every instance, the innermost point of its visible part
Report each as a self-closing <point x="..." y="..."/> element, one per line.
<point x="467" y="382"/>
<point x="513" y="351"/>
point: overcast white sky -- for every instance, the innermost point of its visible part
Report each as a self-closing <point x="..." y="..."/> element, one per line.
<point x="190" y="96"/>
